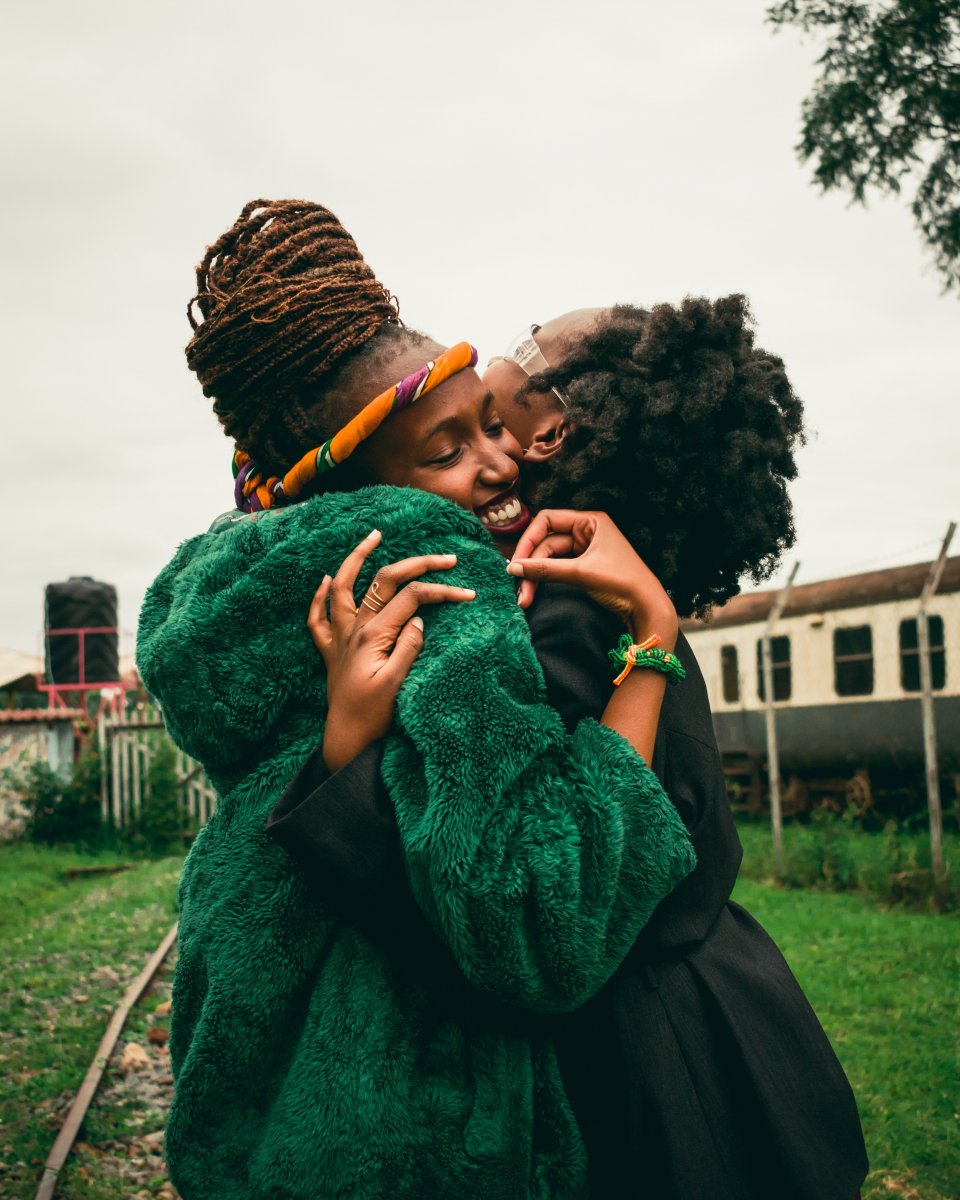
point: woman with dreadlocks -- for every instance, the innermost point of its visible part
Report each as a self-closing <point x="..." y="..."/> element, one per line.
<point x="313" y="1058"/>
<point x="699" y="1069"/>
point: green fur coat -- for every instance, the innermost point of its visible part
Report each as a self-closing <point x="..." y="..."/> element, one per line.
<point x="307" y="1064"/>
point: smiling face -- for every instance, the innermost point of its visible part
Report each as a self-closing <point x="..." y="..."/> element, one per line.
<point x="537" y="419"/>
<point x="452" y="443"/>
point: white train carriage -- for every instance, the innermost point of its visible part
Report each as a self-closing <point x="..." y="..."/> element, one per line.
<point x="846" y="673"/>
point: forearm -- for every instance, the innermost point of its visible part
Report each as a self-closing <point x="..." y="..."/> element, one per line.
<point x="633" y="710"/>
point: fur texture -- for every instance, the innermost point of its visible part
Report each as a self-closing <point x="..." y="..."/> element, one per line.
<point x="309" y="1063"/>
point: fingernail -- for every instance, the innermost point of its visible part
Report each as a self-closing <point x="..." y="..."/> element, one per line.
<point x="452" y="558"/>
<point x="324" y="580"/>
<point x="418" y="621"/>
<point x="514" y="569"/>
<point x="374" y="533"/>
<point x="471" y="592"/>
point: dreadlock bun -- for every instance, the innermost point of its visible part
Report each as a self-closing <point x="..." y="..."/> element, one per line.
<point x="285" y="296"/>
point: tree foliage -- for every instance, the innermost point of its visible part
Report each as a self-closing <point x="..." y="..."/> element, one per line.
<point x="887" y="106"/>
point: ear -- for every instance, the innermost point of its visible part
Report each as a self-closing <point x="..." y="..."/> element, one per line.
<point x="546" y="443"/>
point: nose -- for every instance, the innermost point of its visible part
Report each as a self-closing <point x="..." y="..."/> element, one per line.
<point x="500" y="466"/>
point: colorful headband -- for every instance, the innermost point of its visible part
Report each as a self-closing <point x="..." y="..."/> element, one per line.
<point x="252" y="493"/>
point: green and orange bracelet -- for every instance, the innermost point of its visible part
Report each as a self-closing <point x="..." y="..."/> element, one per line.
<point x="630" y="654"/>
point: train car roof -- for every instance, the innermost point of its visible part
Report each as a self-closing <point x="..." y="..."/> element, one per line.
<point x="851" y="591"/>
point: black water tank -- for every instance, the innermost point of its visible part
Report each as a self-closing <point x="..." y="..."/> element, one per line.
<point x="81" y="603"/>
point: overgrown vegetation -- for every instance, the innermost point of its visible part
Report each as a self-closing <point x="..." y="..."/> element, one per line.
<point x="64" y="811"/>
<point x="67" y="812"/>
<point x="69" y="948"/>
<point x="833" y="853"/>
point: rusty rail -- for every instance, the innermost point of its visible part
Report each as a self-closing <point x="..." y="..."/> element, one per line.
<point x="78" y="1109"/>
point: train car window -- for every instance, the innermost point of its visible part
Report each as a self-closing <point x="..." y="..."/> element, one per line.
<point x="910" y="654"/>
<point x="853" y="661"/>
<point x="730" y="674"/>
<point x="780" y="653"/>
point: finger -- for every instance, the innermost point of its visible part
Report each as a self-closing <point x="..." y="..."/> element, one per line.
<point x="562" y="570"/>
<point x="388" y="623"/>
<point x="342" y="606"/>
<point x="389" y="579"/>
<point x="552" y="547"/>
<point x="408" y="646"/>
<point x="546" y="523"/>
<point x="317" y="620"/>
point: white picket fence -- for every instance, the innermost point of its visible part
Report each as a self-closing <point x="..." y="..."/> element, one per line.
<point x="127" y="744"/>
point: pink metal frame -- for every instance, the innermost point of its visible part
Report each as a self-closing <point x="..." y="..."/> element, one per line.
<point x="57" y="691"/>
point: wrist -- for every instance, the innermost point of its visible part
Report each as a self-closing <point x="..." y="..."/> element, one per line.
<point x="338" y="750"/>
<point x="641" y="623"/>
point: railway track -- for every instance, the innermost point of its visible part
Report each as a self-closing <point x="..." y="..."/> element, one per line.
<point x="78" y="1109"/>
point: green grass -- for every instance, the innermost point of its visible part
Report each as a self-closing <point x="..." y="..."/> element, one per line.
<point x="885" y="986"/>
<point x="884" y="983"/>
<point x="69" y="950"/>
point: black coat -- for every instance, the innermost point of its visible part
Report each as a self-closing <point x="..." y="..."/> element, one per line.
<point x="699" y="1072"/>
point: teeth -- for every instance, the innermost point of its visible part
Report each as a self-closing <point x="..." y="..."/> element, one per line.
<point x="509" y="512"/>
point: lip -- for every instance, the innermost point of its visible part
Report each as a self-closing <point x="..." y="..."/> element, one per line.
<point x="517" y="525"/>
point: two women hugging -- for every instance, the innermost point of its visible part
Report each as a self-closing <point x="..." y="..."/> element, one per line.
<point x="461" y="925"/>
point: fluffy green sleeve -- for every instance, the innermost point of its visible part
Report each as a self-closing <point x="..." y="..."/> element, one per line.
<point x="538" y="856"/>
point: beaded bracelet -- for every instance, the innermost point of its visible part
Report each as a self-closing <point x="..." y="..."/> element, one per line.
<point x="629" y="655"/>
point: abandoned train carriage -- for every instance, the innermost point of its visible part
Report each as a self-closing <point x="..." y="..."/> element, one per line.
<point x="846" y="679"/>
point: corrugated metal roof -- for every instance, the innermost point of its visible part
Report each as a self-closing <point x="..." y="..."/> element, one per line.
<point x="22" y="716"/>
<point x="850" y="591"/>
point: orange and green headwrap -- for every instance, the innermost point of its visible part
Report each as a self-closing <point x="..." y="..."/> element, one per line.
<point x="252" y="492"/>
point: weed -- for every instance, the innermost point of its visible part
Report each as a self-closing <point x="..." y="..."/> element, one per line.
<point x="833" y="853"/>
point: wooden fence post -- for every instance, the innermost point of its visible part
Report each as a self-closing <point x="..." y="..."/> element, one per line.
<point x="773" y="758"/>
<point x="934" y="807"/>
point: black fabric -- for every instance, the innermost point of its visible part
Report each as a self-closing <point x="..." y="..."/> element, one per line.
<point x="700" y="1071"/>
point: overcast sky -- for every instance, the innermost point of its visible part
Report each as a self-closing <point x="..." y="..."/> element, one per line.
<point x="498" y="164"/>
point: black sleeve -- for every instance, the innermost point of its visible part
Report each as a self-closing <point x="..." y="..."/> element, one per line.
<point x="341" y="828"/>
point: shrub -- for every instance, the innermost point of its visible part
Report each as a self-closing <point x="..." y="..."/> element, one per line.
<point x="833" y="853"/>
<point x="163" y="825"/>
<point x="58" y="811"/>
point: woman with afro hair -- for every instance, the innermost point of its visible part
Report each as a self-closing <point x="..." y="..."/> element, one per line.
<point x="699" y="1070"/>
<point x="672" y="422"/>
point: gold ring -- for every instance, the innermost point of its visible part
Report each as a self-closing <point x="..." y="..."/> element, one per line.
<point x="369" y="603"/>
